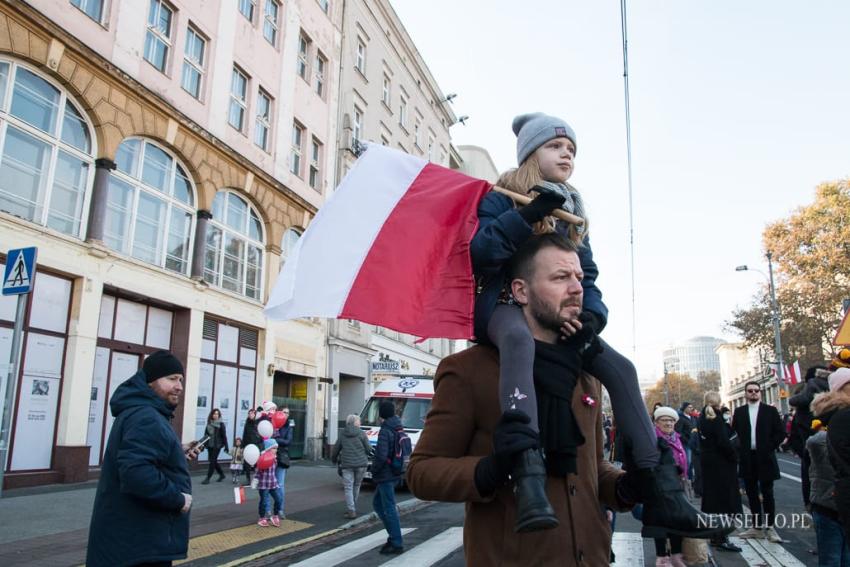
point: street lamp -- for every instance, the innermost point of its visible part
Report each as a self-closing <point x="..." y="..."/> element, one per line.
<point x="777" y="340"/>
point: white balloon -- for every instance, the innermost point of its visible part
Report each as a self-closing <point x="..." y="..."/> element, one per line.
<point x="265" y="429"/>
<point x="251" y="454"/>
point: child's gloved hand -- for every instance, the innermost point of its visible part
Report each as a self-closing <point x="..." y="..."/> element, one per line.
<point x="511" y="437"/>
<point x="547" y="200"/>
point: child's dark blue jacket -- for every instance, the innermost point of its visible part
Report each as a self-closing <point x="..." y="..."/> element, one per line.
<point x="501" y="231"/>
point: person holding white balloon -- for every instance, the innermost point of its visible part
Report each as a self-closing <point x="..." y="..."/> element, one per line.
<point x="267" y="484"/>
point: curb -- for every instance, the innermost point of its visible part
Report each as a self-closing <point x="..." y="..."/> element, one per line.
<point x="404" y="507"/>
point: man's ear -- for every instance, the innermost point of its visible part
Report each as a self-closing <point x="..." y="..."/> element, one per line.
<point x="519" y="289"/>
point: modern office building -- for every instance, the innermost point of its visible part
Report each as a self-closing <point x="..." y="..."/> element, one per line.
<point x="693" y="356"/>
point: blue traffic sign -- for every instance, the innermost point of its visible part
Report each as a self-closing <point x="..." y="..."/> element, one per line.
<point x="19" y="276"/>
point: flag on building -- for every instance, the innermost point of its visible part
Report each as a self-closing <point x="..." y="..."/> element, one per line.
<point x="791" y="372"/>
<point x="390" y="248"/>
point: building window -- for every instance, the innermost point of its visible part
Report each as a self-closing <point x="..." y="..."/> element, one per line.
<point x="193" y="62"/>
<point x="92" y="8"/>
<point x="297" y="140"/>
<point x="321" y="64"/>
<point x="402" y="110"/>
<point x="417" y="128"/>
<point x="303" y="49"/>
<point x="238" y="99"/>
<point x="234" y="247"/>
<point x="246" y="8"/>
<point x="158" y="37"/>
<point x="315" y="160"/>
<point x="360" y="61"/>
<point x="264" y="120"/>
<point x="430" y="145"/>
<point x="385" y="141"/>
<point x="287" y="243"/>
<point x="357" y="126"/>
<point x="150" y="206"/>
<point x="325" y="5"/>
<point x="386" y="90"/>
<point x="270" y="21"/>
<point x="46" y="154"/>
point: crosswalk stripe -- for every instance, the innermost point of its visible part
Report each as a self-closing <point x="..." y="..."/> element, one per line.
<point x="748" y="553"/>
<point x="791" y="477"/>
<point x="348" y="551"/>
<point x="775" y="554"/>
<point x="430" y="551"/>
<point x="628" y="549"/>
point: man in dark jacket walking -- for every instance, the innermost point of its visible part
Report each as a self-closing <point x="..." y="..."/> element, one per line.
<point x="386" y="479"/>
<point x="141" y="508"/>
<point x="760" y="432"/>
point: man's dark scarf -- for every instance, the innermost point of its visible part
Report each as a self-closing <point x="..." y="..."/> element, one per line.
<point x="556" y="371"/>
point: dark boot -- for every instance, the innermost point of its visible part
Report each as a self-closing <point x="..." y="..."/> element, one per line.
<point x="533" y="509"/>
<point x="666" y="510"/>
<point x="206" y="481"/>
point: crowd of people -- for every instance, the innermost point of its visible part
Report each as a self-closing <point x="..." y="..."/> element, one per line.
<point x="725" y="453"/>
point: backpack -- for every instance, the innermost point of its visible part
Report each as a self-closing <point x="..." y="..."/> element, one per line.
<point x="400" y="455"/>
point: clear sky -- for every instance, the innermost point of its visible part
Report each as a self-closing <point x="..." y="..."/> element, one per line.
<point x="739" y="109"/>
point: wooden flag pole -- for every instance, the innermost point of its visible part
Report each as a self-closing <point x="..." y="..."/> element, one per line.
<point x="524" y="200"/>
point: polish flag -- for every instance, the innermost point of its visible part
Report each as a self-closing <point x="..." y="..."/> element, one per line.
<point x="390" y="248"/>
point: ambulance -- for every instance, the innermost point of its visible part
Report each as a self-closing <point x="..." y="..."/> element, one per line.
<point x="411" y="396"/>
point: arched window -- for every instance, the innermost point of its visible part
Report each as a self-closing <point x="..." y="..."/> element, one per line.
<point x="234" y="251"/>
<point x="150" y="207"/>
<point x="287" y="243"/>
<point x="46" y="154"/>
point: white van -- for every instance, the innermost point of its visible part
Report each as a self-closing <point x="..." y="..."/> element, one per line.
<point x="412" y="397"/>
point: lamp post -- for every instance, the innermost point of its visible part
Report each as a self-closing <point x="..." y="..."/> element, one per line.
<point x="777" y="340"/>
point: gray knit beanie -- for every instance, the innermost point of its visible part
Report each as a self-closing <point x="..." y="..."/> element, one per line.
<point x="535" y="129"/>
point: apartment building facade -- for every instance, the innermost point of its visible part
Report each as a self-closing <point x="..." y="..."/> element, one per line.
<point x="387" y="96"/>
<point x="164" y="157"/>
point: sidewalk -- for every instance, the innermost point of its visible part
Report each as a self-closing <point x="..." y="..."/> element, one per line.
<point x="49" y="525"/>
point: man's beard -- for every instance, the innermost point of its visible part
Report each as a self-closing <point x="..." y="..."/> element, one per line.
<point x="546" y="316"/>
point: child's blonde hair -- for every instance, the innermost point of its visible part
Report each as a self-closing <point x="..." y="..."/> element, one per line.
<point x="521" y="180"/>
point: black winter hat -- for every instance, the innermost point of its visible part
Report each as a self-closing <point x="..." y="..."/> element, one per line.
<point x="386" y="410"/>
<point x="161" y="363"/>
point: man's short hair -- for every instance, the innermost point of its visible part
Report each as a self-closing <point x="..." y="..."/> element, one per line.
<point x="752" y="383"/>
<point x="351" y="419"/>
<point x="522" y="263"/>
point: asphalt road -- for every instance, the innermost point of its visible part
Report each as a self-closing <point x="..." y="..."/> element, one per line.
<point x="434" y="537"/>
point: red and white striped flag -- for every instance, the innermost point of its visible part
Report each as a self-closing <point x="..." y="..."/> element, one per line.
<point x="390" y="248"/>
<point x="792" y="373"/>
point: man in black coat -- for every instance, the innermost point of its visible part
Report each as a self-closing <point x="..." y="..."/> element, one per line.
<point x="760" y="432"/>
<point x="141" y="508"/>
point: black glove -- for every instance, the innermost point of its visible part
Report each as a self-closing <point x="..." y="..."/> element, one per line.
<point x="511" y="437"/>
<point x="587" y="339"/>
<point x="546" y="201"/>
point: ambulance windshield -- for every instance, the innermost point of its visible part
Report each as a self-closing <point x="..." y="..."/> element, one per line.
<point x="411" y="410"/>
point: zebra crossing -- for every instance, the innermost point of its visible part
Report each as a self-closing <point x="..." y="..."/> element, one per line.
<point x="630" y="550"/>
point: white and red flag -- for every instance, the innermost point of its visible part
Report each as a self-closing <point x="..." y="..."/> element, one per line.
<point x="792" y="373"/>
<point x="390" y="248"/>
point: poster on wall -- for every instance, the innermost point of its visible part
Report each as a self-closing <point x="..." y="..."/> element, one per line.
<point x="123" y="367"/>
<point x="225" y="397"/>
<point x="97" y="404"/>
<point x="228" y="343"/>
<point x="51" y="298"/>
<point x="246" y="400"/>
<point x="37" y="402"/>
<point x="203" y="407"/>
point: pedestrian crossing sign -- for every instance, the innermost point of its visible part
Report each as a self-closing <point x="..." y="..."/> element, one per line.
<point x="842" y="337"/>
<point x="19" y="275"/>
